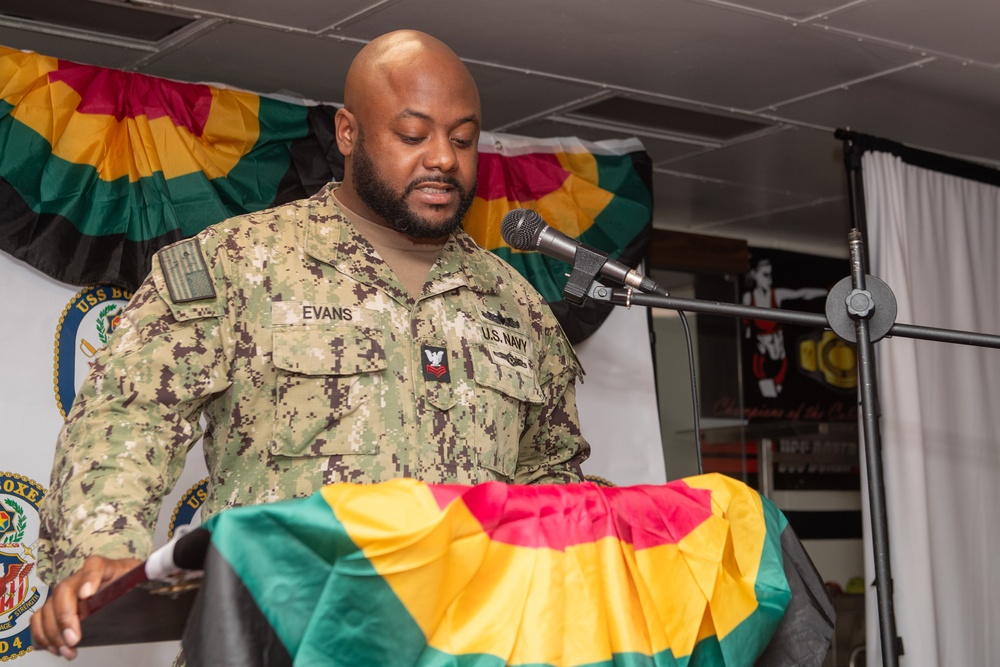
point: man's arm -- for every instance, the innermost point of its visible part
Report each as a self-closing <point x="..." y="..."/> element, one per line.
<point x="123" y="447"/>
<point x="552" y="447"/>
<point x="126" y="437"/>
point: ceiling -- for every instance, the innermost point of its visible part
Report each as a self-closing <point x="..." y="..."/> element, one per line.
<point x="736" y="101"/>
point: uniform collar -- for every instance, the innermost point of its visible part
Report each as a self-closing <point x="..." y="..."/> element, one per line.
<point x="331" y="238"/>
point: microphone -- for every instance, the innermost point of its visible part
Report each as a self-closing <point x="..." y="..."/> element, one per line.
<point x="524" y="229"/>
<point x="185" y="552"/>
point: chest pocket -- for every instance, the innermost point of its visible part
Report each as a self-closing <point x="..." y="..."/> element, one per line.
<point x="329" y="384"/>
<point x="506" y="389"/>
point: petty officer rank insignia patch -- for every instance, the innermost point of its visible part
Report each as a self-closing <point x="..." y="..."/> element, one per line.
<point x="185" y="272"/>
<point x="435" y="361"/>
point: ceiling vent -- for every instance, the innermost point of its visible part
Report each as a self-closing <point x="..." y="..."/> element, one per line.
<point x="660" y="121"/>
<point x="84" y="18"/>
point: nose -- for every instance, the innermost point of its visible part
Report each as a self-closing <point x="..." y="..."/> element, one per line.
<point x="441" y="153"/>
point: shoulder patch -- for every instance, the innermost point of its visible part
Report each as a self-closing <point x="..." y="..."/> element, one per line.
<point x="186" y="273"/>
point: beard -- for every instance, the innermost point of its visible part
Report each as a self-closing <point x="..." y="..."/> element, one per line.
<point x="379" y="196"/>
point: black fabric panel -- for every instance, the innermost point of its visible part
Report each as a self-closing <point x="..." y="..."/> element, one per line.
<point x="54" y="246"/>
<point x="579" y="322"/>
<point x="316" y="158"/>
<point x="225" y="627"/>
<point x="805" y="633"/>
<point x="826" y="525"/>
<point x="636" y="251"/>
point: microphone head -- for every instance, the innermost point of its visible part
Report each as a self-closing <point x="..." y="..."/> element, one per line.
<point x="521" y="227"/>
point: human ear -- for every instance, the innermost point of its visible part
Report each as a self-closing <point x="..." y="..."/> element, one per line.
<point x="345" y="127"/>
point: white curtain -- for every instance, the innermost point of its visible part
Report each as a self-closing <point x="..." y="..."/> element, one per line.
<point x="935" y="240"/>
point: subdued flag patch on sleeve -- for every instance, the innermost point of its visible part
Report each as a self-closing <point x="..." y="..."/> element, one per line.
<point x="186" y="273"/>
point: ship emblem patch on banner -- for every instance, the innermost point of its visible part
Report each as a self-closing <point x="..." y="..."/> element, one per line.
<point x="87" y="322"/>
<point x="21" y="591"/>
<point x="187" y="511"/>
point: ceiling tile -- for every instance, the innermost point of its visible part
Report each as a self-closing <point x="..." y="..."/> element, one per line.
<point x="962" y="28"/>
<point x="279" y="62"/>
<point x="67" y="48"/>
<point x="114" y="19"/>
<point x="508" y="97"/>
<point x="313" y="16"/>
<point x="694" y="204"/>
<point x="941" y="106"/>
<point x="802" y="161"/>
<point x="682" y="49"/>
<point x="796" y="9"/>
<point x="817" y="229"/>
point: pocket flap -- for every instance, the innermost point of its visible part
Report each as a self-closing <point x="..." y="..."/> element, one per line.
<point x="328" y="350"/>
<point x="507" y="372"/>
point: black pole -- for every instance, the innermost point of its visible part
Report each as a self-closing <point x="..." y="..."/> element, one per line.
<point x="869" y="397"/>
<point x="855" y="182"/>
<point x="861" y="307"/>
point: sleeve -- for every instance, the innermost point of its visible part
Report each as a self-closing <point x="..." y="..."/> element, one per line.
<point x="552" y="447"/>
<point x="126" y="437"/>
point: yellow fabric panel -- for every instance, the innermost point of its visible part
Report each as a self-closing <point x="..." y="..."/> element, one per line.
<point x="232" y="128"/>
<point x="482" y="222"/>
<point x="583" y="189"/>
<point x="597" y="598"/>
<point x="20" y="72"/>
<point x="139" y="147"/>
<point x="745" y="524"/>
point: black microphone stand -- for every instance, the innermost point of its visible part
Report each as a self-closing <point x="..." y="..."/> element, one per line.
<point x="860" y="309"/>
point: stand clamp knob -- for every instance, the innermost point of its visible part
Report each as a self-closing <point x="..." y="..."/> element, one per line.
<point x="860" y="303"/>
<point x="845" y="305"/>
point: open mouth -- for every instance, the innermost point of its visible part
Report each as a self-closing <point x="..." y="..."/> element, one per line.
<point x="435" y="194"/>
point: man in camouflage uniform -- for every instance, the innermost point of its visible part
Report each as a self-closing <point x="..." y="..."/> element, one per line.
<point x="356" y="336"/>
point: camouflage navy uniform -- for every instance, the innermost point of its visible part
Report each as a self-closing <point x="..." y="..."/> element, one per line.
<point x="312" y="365"/>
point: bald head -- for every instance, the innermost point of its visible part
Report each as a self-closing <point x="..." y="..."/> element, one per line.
<point x="403" y="54"/>
<point x="409" y="133"/>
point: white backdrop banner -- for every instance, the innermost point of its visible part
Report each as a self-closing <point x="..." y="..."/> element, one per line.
<point x="935" y="240"/>
<point x="619" y="414"/>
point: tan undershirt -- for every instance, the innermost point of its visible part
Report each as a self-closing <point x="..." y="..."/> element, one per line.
<point x="409" y="260"/>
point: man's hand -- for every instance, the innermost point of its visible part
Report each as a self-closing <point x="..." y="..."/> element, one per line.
<point x="56" y="626"/>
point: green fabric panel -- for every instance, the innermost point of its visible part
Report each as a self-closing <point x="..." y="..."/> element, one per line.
<point x="540" y="269"/>
<point x="317" y="589"/>
<point x="771" y="590"/>
<point x="627" y="214"/>
<point x="23" y="155"/>
<point x="153" y="205"/>
<point x="434" y="658"/>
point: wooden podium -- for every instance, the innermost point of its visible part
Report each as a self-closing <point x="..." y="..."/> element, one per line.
<point x="149" y="612"/>
<point x="134" y="609"/>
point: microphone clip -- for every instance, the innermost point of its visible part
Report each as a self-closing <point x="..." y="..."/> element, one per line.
<point x="587" y="265"/>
